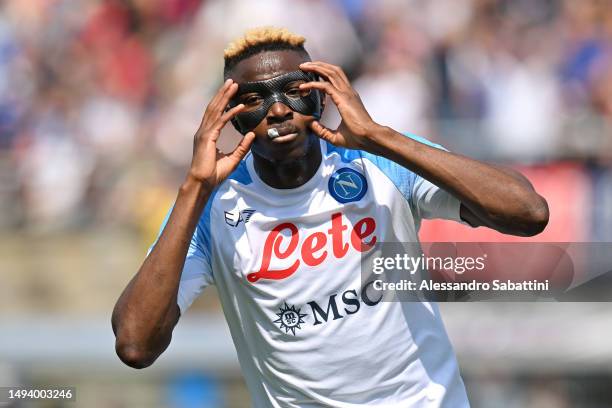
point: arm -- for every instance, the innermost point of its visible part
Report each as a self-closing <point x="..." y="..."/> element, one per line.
<point x="147" y="310"/>
<point x="146" y="313"/>
<point x="492" y="196"/>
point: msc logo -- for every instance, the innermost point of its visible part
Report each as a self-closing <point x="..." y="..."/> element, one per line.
<point x="334" y="307"/>
<point x="349" y="303"/>
<point x="290" y="318"/>
<point x="234" y="218"/>
<point x="347" y="185"/>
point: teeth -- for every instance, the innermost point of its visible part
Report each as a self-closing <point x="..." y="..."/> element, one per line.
<point x="273" y="133"/>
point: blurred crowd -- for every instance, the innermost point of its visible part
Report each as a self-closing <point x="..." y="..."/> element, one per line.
<point x="99" y="99"/>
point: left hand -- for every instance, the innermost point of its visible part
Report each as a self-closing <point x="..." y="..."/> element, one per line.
<point x="356" y="126"/>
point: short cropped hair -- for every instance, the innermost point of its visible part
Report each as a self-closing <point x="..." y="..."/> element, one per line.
<point x="259" y="40"/>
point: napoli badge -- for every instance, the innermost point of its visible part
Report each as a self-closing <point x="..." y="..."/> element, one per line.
<point x="347" y="185"/>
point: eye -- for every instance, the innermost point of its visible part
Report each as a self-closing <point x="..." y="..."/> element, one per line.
<point x="294" y="92"/>
<point x="251" y="100"/>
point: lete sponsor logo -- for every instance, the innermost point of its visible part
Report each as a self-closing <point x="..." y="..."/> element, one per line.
<point x="315" y="247"/>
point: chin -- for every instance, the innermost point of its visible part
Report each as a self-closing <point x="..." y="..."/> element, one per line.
<point x="287" y="152"/>
<point x="288" y="155"/>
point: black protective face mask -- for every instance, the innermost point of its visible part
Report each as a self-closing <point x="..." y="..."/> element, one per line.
<point x="275" y="90"/>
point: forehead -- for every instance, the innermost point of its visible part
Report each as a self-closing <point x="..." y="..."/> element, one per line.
<point x="266" y="65"/>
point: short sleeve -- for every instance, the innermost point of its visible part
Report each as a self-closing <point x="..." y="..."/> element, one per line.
<point x="197" y="270"/>
<point x="430" y="201"/>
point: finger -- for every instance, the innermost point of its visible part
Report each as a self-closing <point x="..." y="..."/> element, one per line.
<point x="219" y="93"/>
<point x="339" y="71"/>
<point x="325" y="87"/>
<point x="228" y="95"/>
<point x="331" y="72"/>
<point x="227" y="116"/>
<point x="216" y="109"/>
<point x="221" y="103"/>
<point x="322" y="131"/>
<point x="325" y="73"/>
<point x="222" y="121"/>
<point x="243" y="147"/>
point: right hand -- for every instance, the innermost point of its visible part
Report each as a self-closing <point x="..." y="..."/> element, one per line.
<point x="209" y="166"/>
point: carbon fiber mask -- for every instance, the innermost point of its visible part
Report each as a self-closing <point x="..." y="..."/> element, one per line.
<point x="275" y="90"/>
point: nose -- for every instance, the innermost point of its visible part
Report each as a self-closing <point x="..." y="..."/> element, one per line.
<point x="279" y="112"/>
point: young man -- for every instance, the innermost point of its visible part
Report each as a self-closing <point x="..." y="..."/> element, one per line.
<point x="281" y="232"/>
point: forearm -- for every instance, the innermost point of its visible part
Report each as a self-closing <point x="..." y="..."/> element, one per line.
<point x="147" y="311"/>
<point x="499" y="198"/>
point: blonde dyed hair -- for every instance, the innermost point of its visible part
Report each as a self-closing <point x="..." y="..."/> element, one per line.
<point x="261" y="36"/>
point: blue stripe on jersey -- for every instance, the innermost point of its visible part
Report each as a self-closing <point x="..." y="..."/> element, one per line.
<point x="241" y="174"/>
<point x="202" y="233"/>
<point x="200" y="242"/>
<point x="200" y="245"/>
<point x="346" y="155"/>
<point x="423" y="140"/>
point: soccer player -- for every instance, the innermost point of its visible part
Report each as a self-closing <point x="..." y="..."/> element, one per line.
<point x="280" y="225"/>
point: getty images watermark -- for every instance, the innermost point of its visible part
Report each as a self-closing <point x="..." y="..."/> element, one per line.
<point x="456" y="265"/>
<point x="478" y="271"/>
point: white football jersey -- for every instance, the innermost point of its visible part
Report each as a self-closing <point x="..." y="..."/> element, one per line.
<point x="286" y="263"/>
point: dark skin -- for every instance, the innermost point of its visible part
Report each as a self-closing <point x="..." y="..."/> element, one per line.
<point x="147" y="312"/>
<point x="292" y="162"/>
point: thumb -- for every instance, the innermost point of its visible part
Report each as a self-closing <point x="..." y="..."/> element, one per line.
<point x="243" y="147"/>
<point x="322" y="131"/>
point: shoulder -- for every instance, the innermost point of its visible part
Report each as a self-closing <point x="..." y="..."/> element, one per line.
<point x="238" y="180"/>
<point x="348" y="155"/>
<point x="240" y="175"/>
<point x="403" y="178"/>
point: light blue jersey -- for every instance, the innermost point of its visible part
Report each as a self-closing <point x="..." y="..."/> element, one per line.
<point x="286" y="263"/>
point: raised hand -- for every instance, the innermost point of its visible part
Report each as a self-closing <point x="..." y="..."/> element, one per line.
<point x="356" y="125"/>
<point x="210" y="166"/>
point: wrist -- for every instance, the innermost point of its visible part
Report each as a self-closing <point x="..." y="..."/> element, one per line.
<point x="193" y="185"/>
<point x="378" y="137"/>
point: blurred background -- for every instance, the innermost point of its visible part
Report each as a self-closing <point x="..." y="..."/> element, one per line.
<point x="99" y="101"/>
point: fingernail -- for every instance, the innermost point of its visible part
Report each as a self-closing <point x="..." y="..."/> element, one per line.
<point x="228" y="81"/>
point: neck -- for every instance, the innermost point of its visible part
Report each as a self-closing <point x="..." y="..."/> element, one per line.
<point x="290" y="173"/>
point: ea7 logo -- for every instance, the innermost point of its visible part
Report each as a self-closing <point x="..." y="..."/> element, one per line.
<point x="234" y="218"/>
